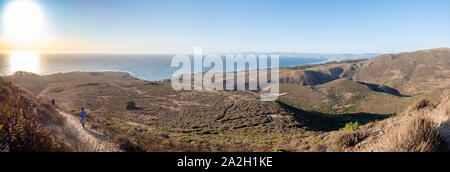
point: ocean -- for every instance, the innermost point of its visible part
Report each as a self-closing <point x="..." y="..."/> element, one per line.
<point x="146" y="67"/>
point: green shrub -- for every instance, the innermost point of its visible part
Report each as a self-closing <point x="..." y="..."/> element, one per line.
<point x="216" y="149"/>
<point x="130" y="105"/>
<point x="351" y="126"/>
<point x="316" y="141"/>
<point x="73" y="111"/>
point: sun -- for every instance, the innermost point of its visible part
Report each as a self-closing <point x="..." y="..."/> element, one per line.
<point x="23" y="22"/>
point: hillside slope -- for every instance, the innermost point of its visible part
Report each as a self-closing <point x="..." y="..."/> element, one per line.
<point x="408" y="73"/>
<point x="26" y="124"/>
<point x="35" y="84"/>
<point x="316" y="102"/>
<point x="168" y="120"/>
<point x="423" y="128"/>
<point x="182" y="120"/>
<point x="319" y="75"/>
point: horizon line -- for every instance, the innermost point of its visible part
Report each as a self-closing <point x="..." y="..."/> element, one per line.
<point x="165" y="53"/>
<point x="219" y="53"/>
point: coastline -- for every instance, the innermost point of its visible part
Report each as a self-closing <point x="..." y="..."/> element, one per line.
<point x="131" y="74"/>
<point x="153" y="68"/>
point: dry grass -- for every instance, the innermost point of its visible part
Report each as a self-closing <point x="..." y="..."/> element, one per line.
<point x="229" y="121"/>
<point x="419" y="135"/>
<point x="424" y="104"/>
<point x="350" y="139"/>
<point x="27" y="124"/>
<point x="422" y="128"/>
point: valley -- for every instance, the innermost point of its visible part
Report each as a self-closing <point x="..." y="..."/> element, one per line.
<point x="316" y="111"/>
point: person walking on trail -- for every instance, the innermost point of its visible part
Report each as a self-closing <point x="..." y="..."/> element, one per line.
<point x="83" y="115"/>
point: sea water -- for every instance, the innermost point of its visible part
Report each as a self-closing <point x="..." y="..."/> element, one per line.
<point x="150" y="67"/>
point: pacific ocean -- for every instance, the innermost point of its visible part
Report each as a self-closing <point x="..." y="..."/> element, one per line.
<point x="147" y="67"/>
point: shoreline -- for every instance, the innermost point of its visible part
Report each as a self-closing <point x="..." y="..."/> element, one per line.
<point x="132" y="74"/>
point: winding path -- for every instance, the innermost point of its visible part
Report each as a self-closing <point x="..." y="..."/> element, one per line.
<point x="91" y="140"/>
<point x="225" y="112"/>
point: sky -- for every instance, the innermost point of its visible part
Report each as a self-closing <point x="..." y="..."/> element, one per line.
<point x="302" y="26"/>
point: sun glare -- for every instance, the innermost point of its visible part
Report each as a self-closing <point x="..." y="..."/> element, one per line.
<point x="27" y="61"/>
<point x="23" y="21"/>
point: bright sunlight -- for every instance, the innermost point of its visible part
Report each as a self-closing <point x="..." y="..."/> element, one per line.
<point x="24" y="22"/>
<point x="27" y="61"/>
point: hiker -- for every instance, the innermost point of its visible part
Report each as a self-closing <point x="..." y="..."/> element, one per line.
<point x="53" y="102"/>
<point x="83" y="115"/>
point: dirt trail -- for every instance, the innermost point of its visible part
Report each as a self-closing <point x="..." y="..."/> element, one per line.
<point x="225" y="111"/>
<point x="92" y="140"/>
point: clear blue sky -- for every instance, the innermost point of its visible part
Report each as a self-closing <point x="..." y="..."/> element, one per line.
<point x="312" y="26"/>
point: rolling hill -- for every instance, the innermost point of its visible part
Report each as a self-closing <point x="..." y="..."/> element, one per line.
<point x="318" y="101"/>
<point x="408" y="73"/>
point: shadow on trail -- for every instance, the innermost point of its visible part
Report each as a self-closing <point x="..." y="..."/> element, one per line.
<point x="96" y="135"/>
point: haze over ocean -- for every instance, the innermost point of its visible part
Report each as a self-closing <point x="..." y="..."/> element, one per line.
<point x="146" y="67"/>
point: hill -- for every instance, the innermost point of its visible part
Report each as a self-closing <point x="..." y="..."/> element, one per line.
<point x="318" y="75"/>
<point x="424" y="127"/>
<point x="27" y="124"/>
<point x="184" y="120"/>
<point x="408" y="73"/>
<point x="318" y="101"/>
<point x="35" y="84"/>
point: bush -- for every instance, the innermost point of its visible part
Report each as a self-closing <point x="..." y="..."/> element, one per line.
<point x="351" y="139"/>
<point x="424" y="104"/>
<point x="420" y="135"/>
<point x="74" y="111"/>
<point x="27" y="124"/>
<point x="130" y="105"/>
<point x="128" y="146"/>
<point x="351" y="126"/>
